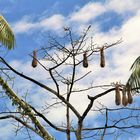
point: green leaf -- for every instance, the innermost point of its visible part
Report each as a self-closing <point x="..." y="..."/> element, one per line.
<point x="6" y="34"/>
<point x="134" y="79"/>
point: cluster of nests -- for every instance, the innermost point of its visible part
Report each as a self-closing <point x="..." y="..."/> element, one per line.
<point x="85" y="60"/>
<point x="123" y="97"/>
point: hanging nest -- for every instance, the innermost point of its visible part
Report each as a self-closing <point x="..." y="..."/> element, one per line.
<point x="117" y="94"/>
<point x="128" y="89"/>
<point x="85" y="61"/>
<point x="124" y="97"/>
<point x="102" y="57"/>
<point x="34" y="61"/>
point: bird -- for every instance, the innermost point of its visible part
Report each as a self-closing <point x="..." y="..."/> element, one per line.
<point x="66" y="28"/>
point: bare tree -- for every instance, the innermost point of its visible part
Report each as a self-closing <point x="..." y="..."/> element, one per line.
<point x="64" y="62"/>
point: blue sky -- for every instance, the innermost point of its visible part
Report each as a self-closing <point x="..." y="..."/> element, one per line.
<point x="32" y="22"/>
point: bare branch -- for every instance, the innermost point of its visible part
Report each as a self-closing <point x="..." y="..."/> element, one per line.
<point x="22" y="122"/>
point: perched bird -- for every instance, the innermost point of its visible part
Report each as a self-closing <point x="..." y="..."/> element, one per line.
<point x="66" y="28"/>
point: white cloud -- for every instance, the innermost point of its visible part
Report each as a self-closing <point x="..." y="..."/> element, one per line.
<point x="5" y="129"/>
<point x="131" y="28"/>
<point x="53" y="23"/>
<point x="93" y="9"/>
<point x="88" y="12"/>
<point x="123" y="6"/>
<point x="26" y="25"/>
<point x="78" y="18"/>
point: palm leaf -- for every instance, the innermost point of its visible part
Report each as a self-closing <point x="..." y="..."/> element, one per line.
<point x="134" y="79"/>
<point x="6" y="34"/>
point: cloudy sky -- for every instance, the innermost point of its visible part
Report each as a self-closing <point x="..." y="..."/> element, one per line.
<point x="32" y="22"/>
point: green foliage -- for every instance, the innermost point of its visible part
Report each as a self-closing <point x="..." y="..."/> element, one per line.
<point x="6" y="34"/>
<point x="134" y="79"/>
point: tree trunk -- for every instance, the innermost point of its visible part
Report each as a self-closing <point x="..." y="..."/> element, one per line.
<point x="79" y="131"/>
<point x="68" y="115"/>
<point x="68" y="124"/>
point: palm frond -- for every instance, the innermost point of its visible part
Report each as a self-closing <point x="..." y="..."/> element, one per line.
<point x="6" y="34"/>
<point x="134" y="79"/>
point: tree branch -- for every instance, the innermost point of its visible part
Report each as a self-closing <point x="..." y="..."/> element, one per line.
<point x="17" y="101"/>
<point x="43" y="86"/>
<point x="22" y="122"/>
